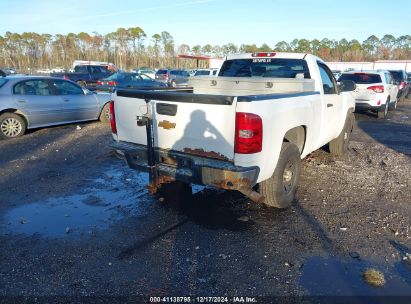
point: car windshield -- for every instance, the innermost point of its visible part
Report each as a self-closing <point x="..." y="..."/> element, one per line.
<point x="397" y="75"/>
<point x="361" y="78"/>
<point x="2" y="81"/>
<point x="265" y="67"/>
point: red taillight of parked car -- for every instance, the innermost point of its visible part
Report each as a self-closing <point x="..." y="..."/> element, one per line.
<point x="248" y="133"/>
<point x="376" y="89"/>
<point x="99" y="82"/>
<point x="402" y="85"/>
<point x="113" y="118"/>
<point x="65" y="77"/>
<point x="112" y="83"/>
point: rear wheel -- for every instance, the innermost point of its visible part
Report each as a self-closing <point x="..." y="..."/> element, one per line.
<point x="105" y="114"/>
<point x="393" y="106"/>
<point x="339" y="145"/>
<point x="11" y="125"/>
<point x="383" y="111"/>
<point x="279" y="190"/>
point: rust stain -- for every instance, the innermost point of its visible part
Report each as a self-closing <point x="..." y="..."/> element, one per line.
<point x="165" y="124"/>
<point x="230" y="184"/>
<point x="153" y="188"/>
<point x="209" y="154"/>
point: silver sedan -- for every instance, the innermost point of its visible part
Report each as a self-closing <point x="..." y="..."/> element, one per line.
<point x="30" y="102"/>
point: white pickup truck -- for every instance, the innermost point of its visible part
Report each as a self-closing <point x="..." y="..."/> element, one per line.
<point x="246" y="129"/>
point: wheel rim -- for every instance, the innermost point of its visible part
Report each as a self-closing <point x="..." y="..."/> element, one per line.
<point x="107" y="113"/>
<point x="11" y="127"/>
<point x="289" y="176"/>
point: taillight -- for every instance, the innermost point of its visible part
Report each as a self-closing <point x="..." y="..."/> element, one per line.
<point x="402" y="85"/>
<point x="99" y="82"/>
<point x="376" y="89"/>
<point x="111" y="83"/>
<point x="113" y="118"/>
<point x="248" y="133"/>
<point x="263" y="54"/>
<point x="65" y="77"/>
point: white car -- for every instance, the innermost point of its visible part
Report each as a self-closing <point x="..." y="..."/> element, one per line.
<point x="375" y="90"/>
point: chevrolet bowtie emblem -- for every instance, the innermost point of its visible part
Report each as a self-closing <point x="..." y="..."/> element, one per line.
<point x="167" y="125"/>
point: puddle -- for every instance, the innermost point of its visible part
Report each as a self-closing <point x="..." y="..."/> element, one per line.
<point x="329" y="276"/>
<point x="114" y="197"/>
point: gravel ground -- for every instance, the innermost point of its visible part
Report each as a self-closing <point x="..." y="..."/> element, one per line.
<point x="75" y="221"/>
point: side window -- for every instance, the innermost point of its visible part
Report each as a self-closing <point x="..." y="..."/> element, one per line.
<point x="32" y="87"/>
<point x="67" y="88"/>
<point x="80" y="69"/>
<point x="387" y="78"/>
<point x="329" y="85"/>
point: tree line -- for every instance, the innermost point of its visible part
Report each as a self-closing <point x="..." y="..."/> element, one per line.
<point x="131" y="48"/>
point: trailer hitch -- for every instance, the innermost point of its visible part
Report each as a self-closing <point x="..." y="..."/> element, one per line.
<point x="147" y="120"/>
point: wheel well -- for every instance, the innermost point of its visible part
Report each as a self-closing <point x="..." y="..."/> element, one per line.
<point x="296" y="136"/>
<point x="15" y="111"/>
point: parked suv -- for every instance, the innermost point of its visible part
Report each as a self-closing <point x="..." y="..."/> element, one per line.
<point x="403" y="83"/>
<point x="173" y="78"/>
<point x="375" y="91"/>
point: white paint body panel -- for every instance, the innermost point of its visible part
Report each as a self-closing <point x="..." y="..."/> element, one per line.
<point x="211" y="127"/>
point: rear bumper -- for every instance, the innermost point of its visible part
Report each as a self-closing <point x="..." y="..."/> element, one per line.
<point x="173" y="165"/>
<point x="362" y="106"/>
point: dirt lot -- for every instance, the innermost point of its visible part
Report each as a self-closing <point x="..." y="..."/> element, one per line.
<point x="75" y="221"/>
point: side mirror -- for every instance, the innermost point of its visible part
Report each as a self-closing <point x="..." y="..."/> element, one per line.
<point x="347" y="85"/>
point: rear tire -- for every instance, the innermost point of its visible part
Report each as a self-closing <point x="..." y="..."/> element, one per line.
<point x="339" y="145"/>
<point x="393" y="106"/>
<point x="105" y="114"/>
<point x="11" y="125"/>
<point x="382" y="112"/>
<point x="279" y="190"/>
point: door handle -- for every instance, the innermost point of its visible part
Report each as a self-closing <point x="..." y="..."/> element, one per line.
<point x="329" y="105"/>
<point x="66" y="100"/>
<point x="21" y="100"/>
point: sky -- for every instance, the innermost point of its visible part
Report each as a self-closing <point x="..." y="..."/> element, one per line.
<point x="215" y="22"/>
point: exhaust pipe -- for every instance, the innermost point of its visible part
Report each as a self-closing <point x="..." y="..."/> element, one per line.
<point x="252" y="195"/>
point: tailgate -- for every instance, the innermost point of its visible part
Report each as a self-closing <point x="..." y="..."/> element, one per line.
<point x="198" y="124"/>
<point x="361" y="92"/>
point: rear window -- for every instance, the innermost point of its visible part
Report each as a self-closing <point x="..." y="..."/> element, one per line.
<point x="2" y="81"/>
<point x="397" y="75"/>
<point x="265" y="67"/>
<point x="117" y="76"/>
<point x="161" y="72"/>
<point x="361" y="78"/>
